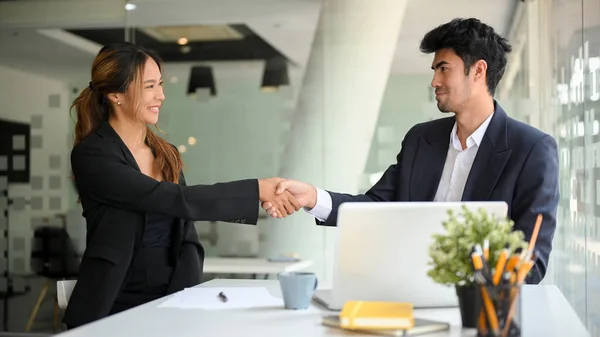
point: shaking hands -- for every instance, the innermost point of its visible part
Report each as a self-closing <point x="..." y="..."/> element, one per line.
<point x="286" y="196"/>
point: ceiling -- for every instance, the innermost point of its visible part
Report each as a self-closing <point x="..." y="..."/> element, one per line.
<point x="212" y="43"/>
<point x="40" y="43"/>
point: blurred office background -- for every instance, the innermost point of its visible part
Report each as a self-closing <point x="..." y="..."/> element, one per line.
<point x="317" y="90"/>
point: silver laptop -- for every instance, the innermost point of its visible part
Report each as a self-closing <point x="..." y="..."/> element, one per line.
<point x="382" y="253"/>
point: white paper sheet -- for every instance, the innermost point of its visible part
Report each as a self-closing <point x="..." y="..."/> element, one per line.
<point x="208" y="299"/>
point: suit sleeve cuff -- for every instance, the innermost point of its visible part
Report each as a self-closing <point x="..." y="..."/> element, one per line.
<point x="322" y="207"/>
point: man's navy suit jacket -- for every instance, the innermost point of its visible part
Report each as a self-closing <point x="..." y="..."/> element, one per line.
<point x="515" y="163"/>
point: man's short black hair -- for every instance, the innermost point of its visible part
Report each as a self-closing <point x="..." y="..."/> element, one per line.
<point x="472" y="41"/>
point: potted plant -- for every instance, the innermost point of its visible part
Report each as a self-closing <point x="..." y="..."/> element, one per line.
<point x="450" y="254"/>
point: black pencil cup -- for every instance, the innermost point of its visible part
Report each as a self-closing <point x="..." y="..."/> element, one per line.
<point x="500" y="311"/>
<point x="469" y="302"/>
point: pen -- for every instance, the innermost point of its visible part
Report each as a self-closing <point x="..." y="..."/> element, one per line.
<point x="485" y="270"/>
<point x="222" y="297"/>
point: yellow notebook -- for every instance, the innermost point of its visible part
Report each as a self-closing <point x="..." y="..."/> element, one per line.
<point x="422" y="327"/>
<point x="377" y="315"/>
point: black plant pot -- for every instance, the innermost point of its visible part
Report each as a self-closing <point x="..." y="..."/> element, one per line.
<point x="469" y="302"/>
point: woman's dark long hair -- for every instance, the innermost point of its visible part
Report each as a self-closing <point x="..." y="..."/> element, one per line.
<point x="115" y="68"/>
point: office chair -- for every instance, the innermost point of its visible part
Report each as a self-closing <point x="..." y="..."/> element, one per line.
<point x="54" y="257"/>
<point x="64" y="289"/>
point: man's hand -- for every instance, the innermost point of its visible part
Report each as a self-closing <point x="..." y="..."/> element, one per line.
<point x="305" y="194"/>
<point x="282" y="204"/>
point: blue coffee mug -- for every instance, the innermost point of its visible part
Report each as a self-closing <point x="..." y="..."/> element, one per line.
<point x="297" y="289"/>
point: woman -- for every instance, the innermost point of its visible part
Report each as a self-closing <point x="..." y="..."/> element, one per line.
<point x="141" y="240"/>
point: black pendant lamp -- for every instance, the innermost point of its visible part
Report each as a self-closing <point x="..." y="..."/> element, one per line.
<point x="275" y="74"/>
<point x="201" y="77"/>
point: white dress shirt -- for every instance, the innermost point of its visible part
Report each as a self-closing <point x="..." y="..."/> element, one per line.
<point x="454" y="177"/>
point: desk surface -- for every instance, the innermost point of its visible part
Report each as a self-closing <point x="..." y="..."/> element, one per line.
<point x="546" y="313"/>
<point x="242" y="265"/>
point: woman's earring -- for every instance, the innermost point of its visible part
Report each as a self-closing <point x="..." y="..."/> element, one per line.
<point x="119" y="103"/>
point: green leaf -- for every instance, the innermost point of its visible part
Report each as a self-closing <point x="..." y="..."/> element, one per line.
<point x="450" y="252"/>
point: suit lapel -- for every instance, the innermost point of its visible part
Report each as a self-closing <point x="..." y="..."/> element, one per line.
<point x="108" y="132"/>
<point x="491" y="158"/>
<point x="429" y="162"/>
<point x="129" y="157"/>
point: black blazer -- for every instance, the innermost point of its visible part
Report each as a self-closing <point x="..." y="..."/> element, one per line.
<point x="115" y="196"/>
<point x="515" y="163"/>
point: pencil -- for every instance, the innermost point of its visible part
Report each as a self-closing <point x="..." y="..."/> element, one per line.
<point x="534" y="235"/>
<point x="487" y="301"/>
<point x="500" y="266"/>
<point x="522" y="273"/>
<point x="482" y="322"/>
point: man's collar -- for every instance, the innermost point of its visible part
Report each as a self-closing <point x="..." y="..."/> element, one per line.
<point x="474" y="139"/>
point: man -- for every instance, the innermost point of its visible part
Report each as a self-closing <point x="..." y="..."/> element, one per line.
<point x="479" y="154"/>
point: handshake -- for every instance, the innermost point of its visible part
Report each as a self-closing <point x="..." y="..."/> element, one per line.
<point x="281" y="197"/>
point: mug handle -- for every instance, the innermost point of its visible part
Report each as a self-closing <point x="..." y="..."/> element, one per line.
<point x="316" y="283"/>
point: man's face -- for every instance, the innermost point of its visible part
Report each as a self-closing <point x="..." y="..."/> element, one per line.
<point x="452" y="87"/>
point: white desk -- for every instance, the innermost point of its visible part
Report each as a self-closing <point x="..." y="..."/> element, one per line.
<point x="241" y="265"/>
<point x="546" y="313"/>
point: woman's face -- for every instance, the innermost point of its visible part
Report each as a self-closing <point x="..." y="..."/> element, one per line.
<point x="151" y="94"/>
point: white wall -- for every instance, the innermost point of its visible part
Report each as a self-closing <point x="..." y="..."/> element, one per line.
<point x="43" y="103"/>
